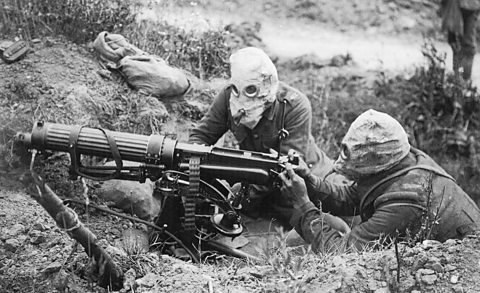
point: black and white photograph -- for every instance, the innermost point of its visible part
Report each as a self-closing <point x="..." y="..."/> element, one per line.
<point x="237" y="146"/>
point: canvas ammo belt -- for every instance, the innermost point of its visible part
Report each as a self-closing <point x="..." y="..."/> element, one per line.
<point x="193" y="190"/>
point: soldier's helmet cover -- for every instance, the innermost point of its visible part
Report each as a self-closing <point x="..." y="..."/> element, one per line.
<point x="254" y="84"/>
<point x="375" y="142"/>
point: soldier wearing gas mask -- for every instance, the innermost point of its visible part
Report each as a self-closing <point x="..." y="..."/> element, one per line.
<point x="398" y="191"/>
<point x="263" y="114"/>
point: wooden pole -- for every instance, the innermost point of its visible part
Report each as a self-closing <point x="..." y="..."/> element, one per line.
<point x="110" y="275"/>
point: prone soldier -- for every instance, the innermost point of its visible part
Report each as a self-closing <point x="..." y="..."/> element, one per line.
<point x="397" y="189"/>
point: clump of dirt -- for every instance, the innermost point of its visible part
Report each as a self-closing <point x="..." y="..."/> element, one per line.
<point x="425" y="267"/>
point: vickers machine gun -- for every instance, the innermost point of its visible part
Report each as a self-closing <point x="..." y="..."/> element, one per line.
<point x="187" y="176"/>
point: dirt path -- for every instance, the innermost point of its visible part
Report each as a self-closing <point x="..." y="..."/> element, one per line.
<point x="389" y="53"/>
<point x="369" y="52"/>
<point x="289" y="38"/>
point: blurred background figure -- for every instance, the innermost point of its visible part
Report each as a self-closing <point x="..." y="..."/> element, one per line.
<point x="459" y="18"/>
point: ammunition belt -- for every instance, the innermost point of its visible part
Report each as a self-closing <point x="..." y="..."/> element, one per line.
<point x="193" y="190"/>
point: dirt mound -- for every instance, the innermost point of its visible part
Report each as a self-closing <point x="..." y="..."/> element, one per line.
<point x="61" y="82"/>
<point x="35" y="256"/>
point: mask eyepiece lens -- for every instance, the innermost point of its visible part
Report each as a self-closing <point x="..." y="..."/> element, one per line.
<point x="251" y="91"/>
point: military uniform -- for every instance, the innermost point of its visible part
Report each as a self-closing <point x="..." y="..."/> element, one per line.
<point x="416" y="191"/>
<point x="296" y="119"/>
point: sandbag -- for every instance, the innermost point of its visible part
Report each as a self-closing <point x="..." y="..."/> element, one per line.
<point x="113" y="47"/>
<point x="154" y="76"/>
<point x="131" y="196"/>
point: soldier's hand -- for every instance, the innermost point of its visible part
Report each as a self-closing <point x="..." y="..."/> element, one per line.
<point x="293" y="187"/>
<point x="302" y="169"/>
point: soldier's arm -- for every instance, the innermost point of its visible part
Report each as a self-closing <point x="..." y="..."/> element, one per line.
<point x="339" y="199"/>
<point x="214" y="124"/>
<point x="380" y="229"/>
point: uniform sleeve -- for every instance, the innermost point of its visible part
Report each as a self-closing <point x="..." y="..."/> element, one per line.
<point x="384" y="225"/>
<point x="214" y="124"/>
<point x="312" y="225"/>
<point x="340" y="200"/>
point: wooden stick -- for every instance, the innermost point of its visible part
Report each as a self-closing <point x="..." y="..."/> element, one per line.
<point x="110" y="275"/>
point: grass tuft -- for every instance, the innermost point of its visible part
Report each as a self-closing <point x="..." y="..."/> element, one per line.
<point x="79" y="20"/>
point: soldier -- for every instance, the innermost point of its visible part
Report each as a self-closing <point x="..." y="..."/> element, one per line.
<point x="263" y="114"/>
<point x="459" y="20"/>
<point x="398" y="190"/>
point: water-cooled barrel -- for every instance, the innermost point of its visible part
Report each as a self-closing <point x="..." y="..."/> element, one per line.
<point x="156" y="149"/>
<point x="231" y="164"/>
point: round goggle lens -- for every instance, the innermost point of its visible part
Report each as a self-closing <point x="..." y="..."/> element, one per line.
<point x="251" y="91"/>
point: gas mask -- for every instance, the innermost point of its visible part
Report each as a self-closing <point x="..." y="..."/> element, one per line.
<point x="375" y="142"/>
<point x="254" y="84"/>
<point x="344" y="165"/>
<point x="248" y="104"/>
